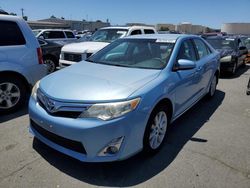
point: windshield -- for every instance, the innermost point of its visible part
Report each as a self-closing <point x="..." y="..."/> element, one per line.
<point x="108" y="35"/>
<point x="225" y="44"/>
<point x="36" y="32"/>
<point x="135" y="53"/>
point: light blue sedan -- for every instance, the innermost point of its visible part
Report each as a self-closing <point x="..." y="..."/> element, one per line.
<point x="123" y="98"/>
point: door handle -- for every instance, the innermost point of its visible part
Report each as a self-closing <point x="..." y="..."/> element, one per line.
<point x="199" y="68"/>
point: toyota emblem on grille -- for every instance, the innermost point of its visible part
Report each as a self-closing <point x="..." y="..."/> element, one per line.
<point x="50" y="105"/>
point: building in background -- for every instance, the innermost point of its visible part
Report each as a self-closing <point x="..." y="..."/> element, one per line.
<point x="61" y="23"/>
<point x="184" y="27"/>
<point x="236" y="28"/>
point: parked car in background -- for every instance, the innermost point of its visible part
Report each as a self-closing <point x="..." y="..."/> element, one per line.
<point x="51" y="53"/>
<point x="57" y="35"/>
<point x="246" y="41"/>
<point x="80" y="34"/>
<point x="232" y="51"/>
<point x="75" y="52"/>
<point x="21" y="64"/>
<point x="123" y="98"/>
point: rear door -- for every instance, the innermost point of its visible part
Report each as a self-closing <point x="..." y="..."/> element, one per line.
<point x="13" y="48"/>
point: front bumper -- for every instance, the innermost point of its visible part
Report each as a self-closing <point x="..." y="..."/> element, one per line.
<point x="65" y="63"/>
<point x="93" y="134"/>
<point x="227" y="66"/>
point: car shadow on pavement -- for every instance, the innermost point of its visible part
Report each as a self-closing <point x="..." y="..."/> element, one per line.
<point x="139" y="168"/>
<point x="7" y="117"/>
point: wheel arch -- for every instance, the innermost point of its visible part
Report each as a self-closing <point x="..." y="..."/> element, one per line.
<point x="17" y="75"/>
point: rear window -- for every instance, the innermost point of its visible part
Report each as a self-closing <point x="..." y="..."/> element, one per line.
<point x="149" y="31"/>
<point x="53" y="35"/>
<point x="69" y="34"/>
<point x="10" y="34"/>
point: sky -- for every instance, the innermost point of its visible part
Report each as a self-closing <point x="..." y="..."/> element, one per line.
<point x="211" y="13"/>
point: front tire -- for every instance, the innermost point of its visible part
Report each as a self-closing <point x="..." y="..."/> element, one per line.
<point x="234" y="69"/>
<point x="13" y="94"/>
<point x="156" y="130"/>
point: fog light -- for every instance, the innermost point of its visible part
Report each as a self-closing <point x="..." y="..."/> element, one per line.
<point x="112" y="148"/>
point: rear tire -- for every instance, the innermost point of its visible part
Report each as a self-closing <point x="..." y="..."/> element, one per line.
<point x="13" y="94"/>
<point x="156" y="130"/>
<point x="51" y="64"/>
<point x="212" y="87"/>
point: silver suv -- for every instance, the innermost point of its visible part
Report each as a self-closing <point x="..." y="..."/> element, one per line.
<point x="21" y="64"/>
<point x="57" y="35"/>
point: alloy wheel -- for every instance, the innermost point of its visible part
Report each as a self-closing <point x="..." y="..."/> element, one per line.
<point x="158" y="129"/>
<point x="50" y="65"/>
<point x="213" y="86"/>
<point x="9" y="95"/>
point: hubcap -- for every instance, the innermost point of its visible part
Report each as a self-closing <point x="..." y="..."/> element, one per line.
<point x="158" y="130"/>
<point x="213" y="86"/>
<point x="9" y="95"/>
<point x="234" y="68"/>
<point x="50" y="65"/>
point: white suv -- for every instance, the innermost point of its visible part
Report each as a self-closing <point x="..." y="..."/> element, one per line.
<point x="57" y="35"/>
<point x="75" y="52"/>
<point x="21" y="64"/>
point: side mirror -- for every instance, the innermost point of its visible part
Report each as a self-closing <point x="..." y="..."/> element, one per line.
<point x="184" y="64"/>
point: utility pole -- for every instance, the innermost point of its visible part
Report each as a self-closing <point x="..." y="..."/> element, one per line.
<point x="22" y="12"/>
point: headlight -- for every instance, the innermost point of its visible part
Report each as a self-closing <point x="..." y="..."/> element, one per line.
<point x="107" y="111"/>
<point x="226" y="59"/>
<point x="34" y="90"/>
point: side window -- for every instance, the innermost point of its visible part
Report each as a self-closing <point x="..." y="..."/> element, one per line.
<point x="186" y="51"/>
<point x="201" y="48"/>
<point x="149" y="31"/>
<point x="69" y="34"/>
<point x="10" y="34"/>
<point x="53" y="34"/>
<point x="136" y="32"/>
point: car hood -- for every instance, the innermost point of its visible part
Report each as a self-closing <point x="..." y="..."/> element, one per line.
<point x="90" y="82"/>
<point x="84" y="47"/>
<point x="227" y="52"/>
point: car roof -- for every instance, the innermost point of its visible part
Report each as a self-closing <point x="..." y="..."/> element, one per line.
<point x="162" y="36"/>
<point x="128" y="27"/>
<point x="52" y="30"/>
<point x="10" y="18"/>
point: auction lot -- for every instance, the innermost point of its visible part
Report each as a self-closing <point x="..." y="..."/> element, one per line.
<point x="207" y="147"/>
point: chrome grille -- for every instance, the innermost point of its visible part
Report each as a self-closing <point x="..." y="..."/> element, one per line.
<point x="58" y="108"/>
<point x="73" y="57"/>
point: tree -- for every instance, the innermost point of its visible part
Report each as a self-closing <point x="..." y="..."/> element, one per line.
<point x="164" y="28"/>
<point x="13" y="14"/>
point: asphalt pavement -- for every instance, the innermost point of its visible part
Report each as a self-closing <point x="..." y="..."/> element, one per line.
<point x="209" y="146"/>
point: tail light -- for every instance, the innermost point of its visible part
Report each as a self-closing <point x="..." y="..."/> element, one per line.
<point x="39" y="55"/>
